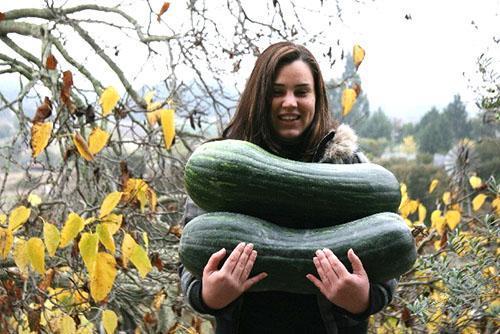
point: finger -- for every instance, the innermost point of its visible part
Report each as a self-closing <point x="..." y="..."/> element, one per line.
<point x="231" y="261"/>
<point x="328" y="270"/>
<point x="240" y="266"/>
<point x="336" y="264"/>
<point x="316" y="282"/>
<point x="357" y="265"/>
<point x="213" y="262"/>
<point x="321" y="271"/>
<point x="249" y="265"/>
<point x="252" y="280"/>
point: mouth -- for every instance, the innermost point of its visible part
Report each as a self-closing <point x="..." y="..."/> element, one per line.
<point x="288" y="117"/>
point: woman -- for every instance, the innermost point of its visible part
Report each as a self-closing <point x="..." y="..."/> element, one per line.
<point x="284" y="109"/>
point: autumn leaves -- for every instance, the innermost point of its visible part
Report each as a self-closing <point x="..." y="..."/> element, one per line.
<point x="94" y="238"/>
<point x="41" y="130"/>
<point x="450" y="216"/>
<point x="349" y="95"/>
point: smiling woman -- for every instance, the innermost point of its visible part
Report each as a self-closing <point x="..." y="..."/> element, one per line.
<point x="284" y="110"/>
<point x="284" y="101"/>
<point x="292" y="107"/>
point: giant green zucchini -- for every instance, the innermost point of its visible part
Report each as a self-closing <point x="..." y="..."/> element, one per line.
<point x="382" y="241"/>
<point x="238" y="176"/>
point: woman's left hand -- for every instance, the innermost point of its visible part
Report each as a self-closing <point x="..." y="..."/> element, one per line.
<point x="349" y="291"/>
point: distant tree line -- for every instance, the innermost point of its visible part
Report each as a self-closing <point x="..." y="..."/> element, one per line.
<point x="436" y="132"/>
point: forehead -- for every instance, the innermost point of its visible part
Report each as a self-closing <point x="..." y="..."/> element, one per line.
<point x="296" y="72"/>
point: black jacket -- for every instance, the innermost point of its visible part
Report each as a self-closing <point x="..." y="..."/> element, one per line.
<point x="338" y="147"/>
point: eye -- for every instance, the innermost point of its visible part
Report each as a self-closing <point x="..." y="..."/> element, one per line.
<point x="278" y="92"/>
<point x="302" y="92"/>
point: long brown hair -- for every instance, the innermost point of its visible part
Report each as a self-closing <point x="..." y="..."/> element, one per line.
<point x="252" y="119"/>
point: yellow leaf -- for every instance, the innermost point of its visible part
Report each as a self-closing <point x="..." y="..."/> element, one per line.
<point x="108" y="100"/>
<point x="358" y="55"/>
<point x="128" y="246"/>
<point x="413" y="206"/>
<point x="34" y="200"/>
<point x="3" y="218"/>
<point x="133" y="187"/>
<point x="422" y="212"/>
<point x="52" y="237"/>
<point x="348" y="98"/>
<point x="74" y="225"/>
<point x="6" y="241"/>
<point x="67" y="325"/>
<point x="447" y="198"/>
<point x="103" y="276"/>
<point x="82" y="147"/>
<point x="158" y="300"/>
<point x="433" y="185"/>
<point x="153" y="114"/>
<point x="408" y="222"/>
<point x="145" y="239"/>
<point x="36" y="254"/>
<point x="20" y="255"/>
<point x="18" y="217"/>
<point x="105" y="237"/>
<point x="168" y="126"/>
<point x="153" y="107"/>
<point x="405" y="208"/>
<point x="496" y="205"/>
<point x="153" y="117"/>
<point x="88" y="247"/>
<point x="403" y="189"/>
<point x="142" y="197"/>
<point x="152" y="199"/>
<point x="110" y="202"/>
<point x="141" y="261"/>
<point x="109" y="321"/>
<point x="114" y="222"/>
<point x="149" y="97"/>
<point x="452" y="218"/>
<point x="438" y="221"/>
<point x="478" y="201"/>
<point x="89" y="220"/>
<point x="434" y="216"/>
<point x="97" y="140"/>
<point x="40" y="135"/>
<point x="475" y="182"/>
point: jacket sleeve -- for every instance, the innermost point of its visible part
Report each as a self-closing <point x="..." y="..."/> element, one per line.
<point x="380" y="296"/>
<point x="191" y="285"/>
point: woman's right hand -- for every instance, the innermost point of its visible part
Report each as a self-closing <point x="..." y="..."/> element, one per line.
<point x="221" y="287"/>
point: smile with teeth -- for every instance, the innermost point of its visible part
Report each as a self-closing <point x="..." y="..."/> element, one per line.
<point x="288" y="117"/>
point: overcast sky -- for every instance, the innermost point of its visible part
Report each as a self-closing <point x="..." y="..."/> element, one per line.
<point x="411" y="64"/>
<point x="414" y="64"/>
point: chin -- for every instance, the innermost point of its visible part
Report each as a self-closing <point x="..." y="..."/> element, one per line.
<point x="289" y="136"/>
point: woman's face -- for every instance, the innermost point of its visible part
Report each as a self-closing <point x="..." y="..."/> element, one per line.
<point x="294" y="101"/>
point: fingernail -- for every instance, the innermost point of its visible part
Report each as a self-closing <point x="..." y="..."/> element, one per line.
<point x="222" y="250"/>
<point x="250" y="245"/>
<point x="318" y="252"/>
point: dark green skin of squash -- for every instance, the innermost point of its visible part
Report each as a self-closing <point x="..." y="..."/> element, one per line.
<point x="382" y="241"/>
<point x="238" y="176"/>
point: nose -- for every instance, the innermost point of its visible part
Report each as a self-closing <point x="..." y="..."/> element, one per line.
<point x="289" y="101"/>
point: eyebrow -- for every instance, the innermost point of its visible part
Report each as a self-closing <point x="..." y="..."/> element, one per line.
<point x="299" y="85"/>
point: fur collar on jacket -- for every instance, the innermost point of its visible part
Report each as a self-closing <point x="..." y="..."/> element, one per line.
<point x="340" y="146"/>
